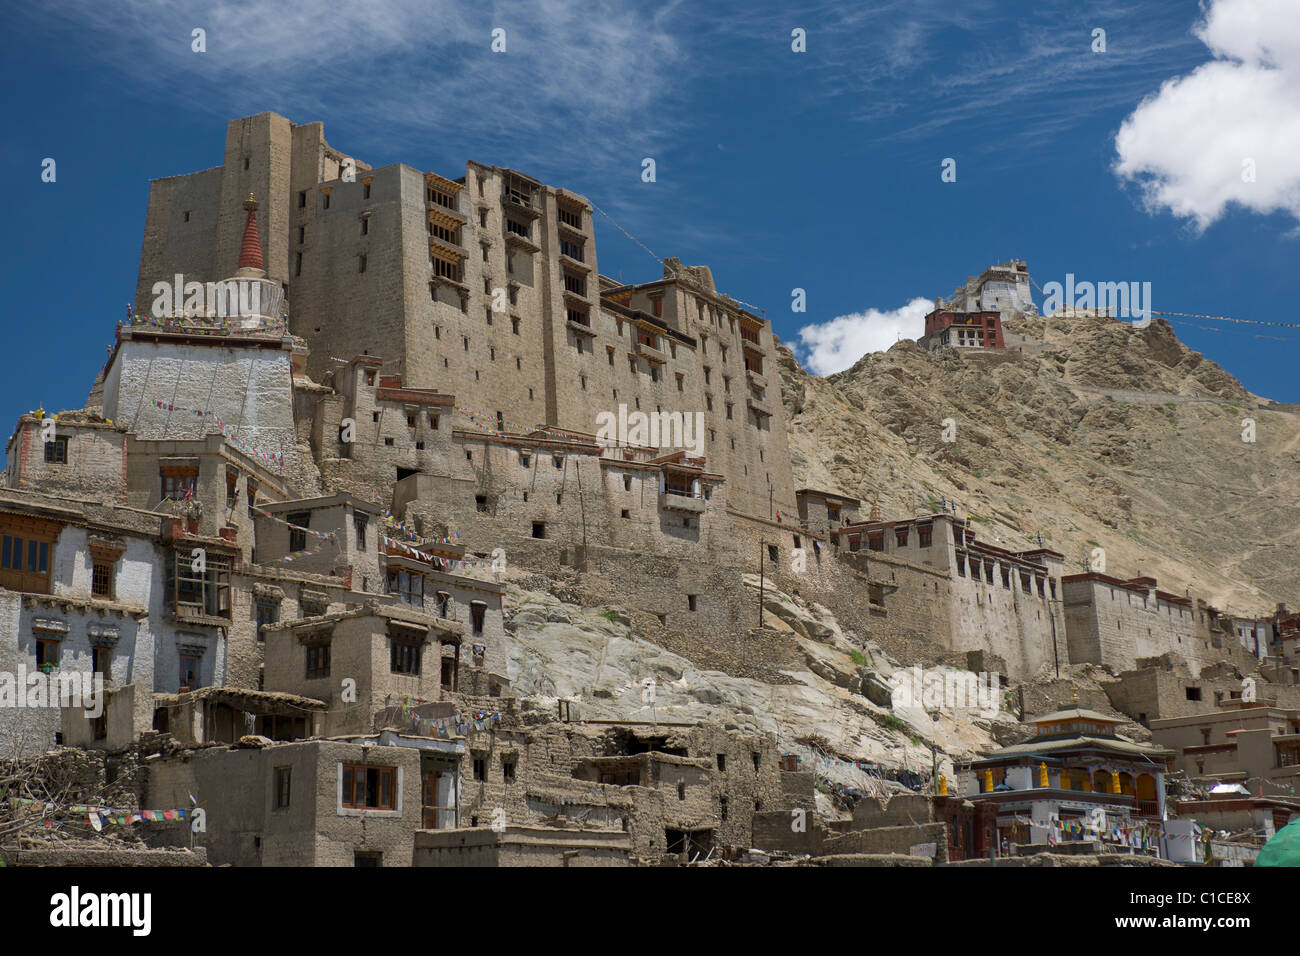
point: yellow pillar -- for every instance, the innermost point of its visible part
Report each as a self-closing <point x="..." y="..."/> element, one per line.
<point x="943" y="785"/>
<point x="1042" y="774"/>
<point x="988" y="781"/>
<point x="1114" y="780"/>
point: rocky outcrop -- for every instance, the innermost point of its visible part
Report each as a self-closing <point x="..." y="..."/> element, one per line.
<point x="611" y="664"/>
<point x="1097" y="434"/>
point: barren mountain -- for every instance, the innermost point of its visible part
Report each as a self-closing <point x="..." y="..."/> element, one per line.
<point x="1094" y="433"/>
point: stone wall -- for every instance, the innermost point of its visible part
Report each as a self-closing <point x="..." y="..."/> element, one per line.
<point x="359" y="651"/>
<point x="898" y="839"/>
<point x="245" y="381"/>
<point x="1116" y="626"/>
<point x="68" y="616"/>
<point x="514" y="352"/>
<point x="521" y="846"/>
<point x="236" y="788"/>
<point x="94" y="469"/>
<point x="286" y="591"/>
<point x="548" y="771"/>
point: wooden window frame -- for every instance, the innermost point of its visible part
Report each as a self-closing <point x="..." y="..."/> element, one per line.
<point x="27" y="553"/>
<point x="570" y="217"/>
<point x="447" y="268"/>
<point x="273" y="617"/>
<point x="198" y="661"/>
<point x="213" y="587"/>
<point x="176" y="480"/>
<point x="402" y="583"/>
<point x="575" y="283"/>
<point x="361" y="784"/>
<point x="43" y="646"/>
<point x="317" y="660"/>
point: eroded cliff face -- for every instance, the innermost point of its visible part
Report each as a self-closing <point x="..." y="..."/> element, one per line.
<point x="1094" y="434"/>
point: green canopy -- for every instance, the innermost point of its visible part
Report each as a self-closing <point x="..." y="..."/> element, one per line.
<point x="1284" y="848"/>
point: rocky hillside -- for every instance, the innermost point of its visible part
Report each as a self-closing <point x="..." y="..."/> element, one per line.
<point x="1093" y="433"/>
<point x="825" y="697"/>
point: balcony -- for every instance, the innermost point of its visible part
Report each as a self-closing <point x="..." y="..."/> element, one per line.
<point x="571" y="230"/>
<point x="439" y="245"/>
<point x="651" y="353"/>
<point x="1146" y="808"/>
<point x="759" y="406"/>
<point x="517" y="202"/>
<point x="522" y="242"/>
<point x="676" y="501"/>
<point x="441" y="210"/>
<point x="448" y="281"/>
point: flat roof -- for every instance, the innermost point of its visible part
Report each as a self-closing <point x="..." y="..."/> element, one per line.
<point x="1074" y="713"/>
<point x="322" y="501"/>
<point x="827" y="494"/>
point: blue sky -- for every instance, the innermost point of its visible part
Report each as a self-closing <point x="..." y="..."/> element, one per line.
<point x="817" y="170"/>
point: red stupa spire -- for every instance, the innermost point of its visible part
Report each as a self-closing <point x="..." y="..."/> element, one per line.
<point x="250" y="250"/>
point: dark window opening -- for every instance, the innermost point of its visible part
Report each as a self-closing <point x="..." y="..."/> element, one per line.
<point x="318" y="661"/>
<point x="298" y="535"/>
<point x="56" y="451"/>
<point x="404" y="658"/>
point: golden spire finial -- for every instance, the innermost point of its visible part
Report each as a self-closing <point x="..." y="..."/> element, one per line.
<point x="875" y="508"/>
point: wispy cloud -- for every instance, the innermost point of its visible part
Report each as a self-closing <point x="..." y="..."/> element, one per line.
<point x="573" y="77"/>
<point x="993" y="73"/>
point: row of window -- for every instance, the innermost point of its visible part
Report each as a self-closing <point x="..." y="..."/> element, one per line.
<point x="876" y="539"/>
<point x="408" y="586"/>
<point x="12" y="551"/>
<point x="1027" y="579"/>
<point x="49" y="652"/>
<point x="325" y="196"/>
<point x="715" y="317"/>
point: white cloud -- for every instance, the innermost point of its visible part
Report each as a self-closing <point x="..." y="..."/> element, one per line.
<point x="833" y="346"/>
<point x="1187" y="144"/>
